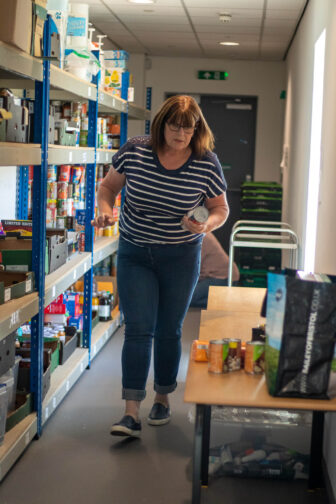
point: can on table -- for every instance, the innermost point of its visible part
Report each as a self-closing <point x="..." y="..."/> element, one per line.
<point x="218" y="356"/>
<point x="234" y="358"/>
<point x="254" y="357"/>
<point x="64" y="173"/>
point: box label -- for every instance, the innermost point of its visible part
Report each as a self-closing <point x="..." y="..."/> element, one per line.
<point x="28" y="285"/>
<point x="76" y="26"/>
<point x="7" y="295"/>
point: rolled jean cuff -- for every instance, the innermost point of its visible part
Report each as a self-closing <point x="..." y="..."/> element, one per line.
<point x="133" y="394"/>
<point x="164" y="389"/>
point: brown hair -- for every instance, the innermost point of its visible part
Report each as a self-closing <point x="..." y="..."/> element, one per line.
<point x="184" y="111"/>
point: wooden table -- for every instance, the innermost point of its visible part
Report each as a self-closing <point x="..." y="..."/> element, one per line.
<point x="243" y="299"/>
<point x="238" y="389"/>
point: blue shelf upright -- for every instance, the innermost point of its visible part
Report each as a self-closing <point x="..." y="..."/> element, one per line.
<point x="22" y="176"/>
<point x="39" y="225"/>
<point x="89" y="215"/>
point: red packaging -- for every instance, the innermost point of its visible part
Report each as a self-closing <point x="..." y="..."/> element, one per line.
<point x="64" y="173"/>
<point x="56" y="309"/>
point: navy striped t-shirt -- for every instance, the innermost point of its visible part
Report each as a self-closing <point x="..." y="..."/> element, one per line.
<point x="157" y="198"/>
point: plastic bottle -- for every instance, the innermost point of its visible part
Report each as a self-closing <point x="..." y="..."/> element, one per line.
<point x="104" y="309"/>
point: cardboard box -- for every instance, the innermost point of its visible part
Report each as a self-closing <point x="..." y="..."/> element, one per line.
<point x="16" y="23"/>
<point x="7" y="353"/>
<point x="23" y="408"/>
<point x="68" y="347"/>
<point x="14" y="285"/>
<point x="38" y="20"/>
<point x="24" y="372"/>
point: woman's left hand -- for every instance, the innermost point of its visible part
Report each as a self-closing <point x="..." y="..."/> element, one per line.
<point x="193" y="226"/>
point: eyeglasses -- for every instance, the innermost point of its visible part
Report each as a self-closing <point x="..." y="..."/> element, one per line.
<point x="186" y="129"/>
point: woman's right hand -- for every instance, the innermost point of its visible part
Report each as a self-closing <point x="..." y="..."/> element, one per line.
<point x="103" y="220"/>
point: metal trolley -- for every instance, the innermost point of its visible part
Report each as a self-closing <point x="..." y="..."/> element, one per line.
<point x="262" y="234"/>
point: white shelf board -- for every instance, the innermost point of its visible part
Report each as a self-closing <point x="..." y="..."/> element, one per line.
<point x="103" y="332"/>
<point x="65" y="81"/>
<point x="58" y="281"/>
<point x="104" y="156"/>
<point x="257" y="244"/>
<point x="103" y="247"/>
<point x="18" y="154"/>
<point x="136" y="112"/>
<point x="19" y="64"/>
<point x="60" y="154"/>
<point x="15" y="442"/>
<point x="16" y="312"/>
<point x="63" y="379"/>
<point x="109" y="103"/>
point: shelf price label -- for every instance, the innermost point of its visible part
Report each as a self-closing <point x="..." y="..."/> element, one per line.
<point x="84" y="157"/>
<point x="54" y="402"/>
<point x="15" y="319"/>
<point x="89" y="91"/>
<point x="70" y="156"/>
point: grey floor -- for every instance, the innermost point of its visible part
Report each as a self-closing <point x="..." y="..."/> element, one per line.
<point x="77" y="461"/>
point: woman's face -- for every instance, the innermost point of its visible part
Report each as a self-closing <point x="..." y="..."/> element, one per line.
<point x="177" y="137"/>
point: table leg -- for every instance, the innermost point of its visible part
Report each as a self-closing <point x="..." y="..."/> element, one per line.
<point x="198" y="460"/>
<point x="206" y="445"/>
<point x="316" y="452"/>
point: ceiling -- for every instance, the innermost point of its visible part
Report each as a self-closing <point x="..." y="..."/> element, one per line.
<point x="191" y="28"/>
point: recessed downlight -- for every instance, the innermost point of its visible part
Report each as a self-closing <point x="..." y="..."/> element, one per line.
<point x="143" y="2"/>
<point x="229" y="43"/>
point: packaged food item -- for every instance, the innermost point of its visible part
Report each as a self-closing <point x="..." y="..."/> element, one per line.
<point x="254" y="357"/>
<point x="64" y="173"/>
<point x="199" y="351"/>
<point x="234" y="358"/>
<point x="104" y="308"/>
<point x="218" y="356"/>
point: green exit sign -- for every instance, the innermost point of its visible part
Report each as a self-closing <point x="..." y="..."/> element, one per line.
<point x="212" y="75"/>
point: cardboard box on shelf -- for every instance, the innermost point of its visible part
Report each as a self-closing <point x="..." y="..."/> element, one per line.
<point x="38" y="20"/>
<point x="16" y="23"/>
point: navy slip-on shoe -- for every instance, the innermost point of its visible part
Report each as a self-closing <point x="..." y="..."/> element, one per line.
<point x="159" y="414"/>
<point x="126" y="427"/>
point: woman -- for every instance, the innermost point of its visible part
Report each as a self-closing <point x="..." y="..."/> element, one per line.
<point x="165" y="175"/>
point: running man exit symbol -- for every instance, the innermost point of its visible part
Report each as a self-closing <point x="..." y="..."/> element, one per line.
<point x="212" y="75"/>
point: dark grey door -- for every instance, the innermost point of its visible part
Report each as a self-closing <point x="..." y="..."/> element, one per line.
<point x="232" y="120"/>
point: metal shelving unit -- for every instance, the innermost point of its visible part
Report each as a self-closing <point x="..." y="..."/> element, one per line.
<point x="104" y="156"/>
<point x="59" y="154"/>
<point x="104" y="247"/>
<point x="44" y="82"/>
<point x="14" y="154"/>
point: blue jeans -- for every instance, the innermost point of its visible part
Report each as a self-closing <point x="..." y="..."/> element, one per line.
<point x="200" y="296"/>
<point x="155" y="285"/>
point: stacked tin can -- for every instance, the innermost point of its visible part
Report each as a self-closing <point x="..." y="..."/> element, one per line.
<point x="65" y="194"/>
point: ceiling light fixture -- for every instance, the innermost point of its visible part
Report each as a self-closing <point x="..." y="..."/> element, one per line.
<point x="229" y="43"/>
<point x="142" y="1"/>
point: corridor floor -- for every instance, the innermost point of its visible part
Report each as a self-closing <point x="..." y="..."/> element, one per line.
<point x="76" y="460"/>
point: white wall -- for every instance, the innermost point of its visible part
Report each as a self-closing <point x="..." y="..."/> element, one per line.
<point x="7" y="192"/>
<point x="250" y="78"/>
<point x="318" y="16"/>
